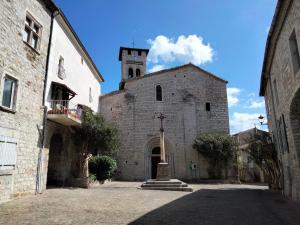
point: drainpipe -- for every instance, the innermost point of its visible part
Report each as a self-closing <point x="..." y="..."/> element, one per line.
<point x="40" y="170"/>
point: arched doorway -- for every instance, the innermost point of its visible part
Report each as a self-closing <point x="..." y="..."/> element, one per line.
<point x="54" y="175"/>
<point x="152" y="157"/>
<point x="155" y="159"/>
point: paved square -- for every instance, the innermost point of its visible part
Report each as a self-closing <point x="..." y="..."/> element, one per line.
<point x="122" y="203"/>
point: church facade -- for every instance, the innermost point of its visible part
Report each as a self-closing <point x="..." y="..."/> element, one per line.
<point x="193" y="101"/>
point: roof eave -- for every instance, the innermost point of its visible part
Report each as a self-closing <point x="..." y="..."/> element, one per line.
<point x="272" y="37"/>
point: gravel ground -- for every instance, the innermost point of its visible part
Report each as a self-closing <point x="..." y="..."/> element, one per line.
<point x="118" y="203"/>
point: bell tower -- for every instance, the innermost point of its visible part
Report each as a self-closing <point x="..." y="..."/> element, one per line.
<point x="133" y="62"/>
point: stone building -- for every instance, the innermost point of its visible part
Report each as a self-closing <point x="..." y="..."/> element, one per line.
<point x="24" y="43"/>
<point x="193" y="100"/>
<point x="46" y="75"/>
<point x="73" y="80"/>
<point x="248" y="170"/>
<point x="280" y="85"/>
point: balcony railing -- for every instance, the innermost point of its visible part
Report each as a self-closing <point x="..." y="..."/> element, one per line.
<point x="65" y="107"/>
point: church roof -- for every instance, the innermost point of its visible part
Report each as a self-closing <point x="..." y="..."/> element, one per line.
<point x="132" y="49"/>
<point x="176" y="68"/>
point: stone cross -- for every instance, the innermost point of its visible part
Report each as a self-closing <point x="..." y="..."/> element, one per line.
<point x="162" y="139"/>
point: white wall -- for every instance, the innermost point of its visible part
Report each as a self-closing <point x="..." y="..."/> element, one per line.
<point x="79" y="77"/>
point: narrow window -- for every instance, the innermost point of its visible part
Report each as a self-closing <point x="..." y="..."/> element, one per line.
<point x="61" y="70"/>
<point x="9" y="91"/>
<point x="32" y="32"/>
<point x="294" y="52"/>
<point x="129" y="52"/>
<point x="138" y="72"/>
<point x="207" y="106"/>
<point x="275" y="91"/>
<point x="158" y="93"/>
<point x="139" y="52"/>
<point x="90" y="95"/>
<point x="130" y="73"/>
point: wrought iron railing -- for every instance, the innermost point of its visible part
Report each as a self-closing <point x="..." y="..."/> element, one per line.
<point x="65" y="107"/>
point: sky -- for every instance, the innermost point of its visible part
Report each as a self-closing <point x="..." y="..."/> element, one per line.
<point x="224" y="37"/>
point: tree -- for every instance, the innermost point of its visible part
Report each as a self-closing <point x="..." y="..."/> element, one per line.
<point x="94" y="133"/>
<point x="262" y="151"/>
<point x="218" y="148"/>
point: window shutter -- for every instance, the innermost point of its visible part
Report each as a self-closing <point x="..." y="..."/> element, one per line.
<point x="8" y="151"/>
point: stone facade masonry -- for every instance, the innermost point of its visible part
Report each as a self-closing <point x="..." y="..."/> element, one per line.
<point x="282" y="96"/>
<point x="20" y="61"/>
<point x="134" y="110"/>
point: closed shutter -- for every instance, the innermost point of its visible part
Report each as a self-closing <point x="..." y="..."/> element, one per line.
<point x="8" y="151"/>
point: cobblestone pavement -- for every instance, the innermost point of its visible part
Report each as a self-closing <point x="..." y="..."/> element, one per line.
<point x="122" y="203"/>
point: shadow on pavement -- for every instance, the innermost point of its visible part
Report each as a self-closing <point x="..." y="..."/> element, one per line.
<point x="226" y="207"/>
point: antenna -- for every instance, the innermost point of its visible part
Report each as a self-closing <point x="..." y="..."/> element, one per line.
<point x="133" y="43"/>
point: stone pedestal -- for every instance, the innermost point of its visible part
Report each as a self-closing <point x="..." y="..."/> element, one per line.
<point x="163" y="172"/>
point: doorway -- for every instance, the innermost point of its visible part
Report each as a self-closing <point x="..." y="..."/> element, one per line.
<point x="54" y="175"/>
<point x="155" y="159"/>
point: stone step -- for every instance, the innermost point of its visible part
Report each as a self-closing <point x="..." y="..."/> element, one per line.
<point x="169" y="185"/>
<point x="172" y="181"/>
<point x="187" y="189"/>
<point x="164" y="185"/>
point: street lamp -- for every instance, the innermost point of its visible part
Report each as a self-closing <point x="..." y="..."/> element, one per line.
<point x="261" y="120"/>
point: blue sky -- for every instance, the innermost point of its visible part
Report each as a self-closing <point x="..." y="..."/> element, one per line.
<point x="225" y="37"/>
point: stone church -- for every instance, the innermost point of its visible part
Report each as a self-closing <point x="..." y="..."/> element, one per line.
<point x="193" y="101"/>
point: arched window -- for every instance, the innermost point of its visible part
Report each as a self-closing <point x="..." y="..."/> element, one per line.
<point x="130" y="73"/>
<point x="138" y="72"/>
<point x="158" y="93"/>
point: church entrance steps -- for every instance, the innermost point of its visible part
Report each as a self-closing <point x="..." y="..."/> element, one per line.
<point x="170" y="185"/>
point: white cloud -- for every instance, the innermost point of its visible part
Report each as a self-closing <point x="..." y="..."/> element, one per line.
<point x="243" y="121"/>
<point x="156" y="68"/>
<point x="255" y="104"/>
<point x="232" y="95"/>
<point x="186" y="49"/>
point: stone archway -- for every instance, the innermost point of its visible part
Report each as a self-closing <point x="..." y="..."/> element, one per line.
<point x="151" y="151"/>
<point x="55" y="162"/>
<point x="295" y="128"/>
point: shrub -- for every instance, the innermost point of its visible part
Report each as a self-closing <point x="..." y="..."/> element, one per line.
<point x="218" y="148"/>
<point x="102" y="166"/>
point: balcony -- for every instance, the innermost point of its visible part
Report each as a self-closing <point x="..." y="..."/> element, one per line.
<point x="65" y="113"/>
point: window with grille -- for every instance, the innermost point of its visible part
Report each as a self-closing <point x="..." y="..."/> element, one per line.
<point x="8" y="151"/>
<point x="32" y="32"/>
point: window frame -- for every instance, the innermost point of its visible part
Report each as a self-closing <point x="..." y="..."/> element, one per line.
<point x="32" y="32"/>
<point x="14" y="92"/>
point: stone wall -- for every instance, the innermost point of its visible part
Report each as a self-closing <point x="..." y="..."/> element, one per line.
<point x="20" y="61"/>
<point x="135" y="110"/>
<point x="281" y="112"/>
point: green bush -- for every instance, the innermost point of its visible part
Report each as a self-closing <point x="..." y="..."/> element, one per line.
<point x="102" y="166"/>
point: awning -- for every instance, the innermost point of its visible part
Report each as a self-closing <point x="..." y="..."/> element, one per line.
<point x="56" y="86"/>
